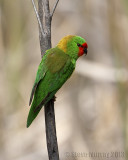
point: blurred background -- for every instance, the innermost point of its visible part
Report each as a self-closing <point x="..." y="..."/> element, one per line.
<point x="91" y="108"/>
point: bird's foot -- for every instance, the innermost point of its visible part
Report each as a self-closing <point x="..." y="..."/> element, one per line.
<point x="54" y="98"/>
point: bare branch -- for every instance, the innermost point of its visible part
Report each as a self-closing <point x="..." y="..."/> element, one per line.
<point x="54" y="8"/>
<point x="45" y="44"/>
<point x="50" y="123"/>
<point x="47" y="16"/>
<point x="38" y="18"/>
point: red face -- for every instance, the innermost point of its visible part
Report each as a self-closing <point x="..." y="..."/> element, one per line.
<point x="82" y="49"/>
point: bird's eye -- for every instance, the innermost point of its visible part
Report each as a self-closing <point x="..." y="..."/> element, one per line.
<point x="78" y="45"/>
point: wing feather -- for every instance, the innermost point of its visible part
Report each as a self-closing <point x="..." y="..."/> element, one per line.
<point x="39" y="77"/>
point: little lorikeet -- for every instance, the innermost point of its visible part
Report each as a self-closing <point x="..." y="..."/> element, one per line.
<point x="55" y="68"/>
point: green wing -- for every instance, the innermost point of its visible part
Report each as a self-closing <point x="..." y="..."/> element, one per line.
<point x="54" y="69"/>
<point x="53" y="60"/>
<point x="39" y="76"/>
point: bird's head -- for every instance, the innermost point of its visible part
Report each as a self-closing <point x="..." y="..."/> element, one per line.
<point x="74" y="46"/>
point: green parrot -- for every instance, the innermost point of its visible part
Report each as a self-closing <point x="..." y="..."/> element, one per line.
<point x="55" y="68"/>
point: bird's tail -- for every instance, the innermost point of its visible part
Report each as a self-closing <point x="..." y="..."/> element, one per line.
<point x="35" y="109"/>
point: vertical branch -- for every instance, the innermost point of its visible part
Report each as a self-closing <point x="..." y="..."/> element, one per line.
<point x="51" y="131"/>
<point x="47" y="20"/>
<point x="42" y="38"/>
<point x="45" y="43"/>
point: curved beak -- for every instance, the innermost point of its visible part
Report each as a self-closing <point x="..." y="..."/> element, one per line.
<point x="85" y="51"/>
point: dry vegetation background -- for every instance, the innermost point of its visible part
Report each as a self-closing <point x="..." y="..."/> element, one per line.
<point x="91" y="108"/>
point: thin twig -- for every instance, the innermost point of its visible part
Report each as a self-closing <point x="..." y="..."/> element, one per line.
<point x="38" y="18"/>
<point x="54" y="8"/>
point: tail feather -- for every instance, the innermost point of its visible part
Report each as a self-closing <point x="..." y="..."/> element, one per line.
<point x="35" y="109"/>
<point x="42" y="103"/>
